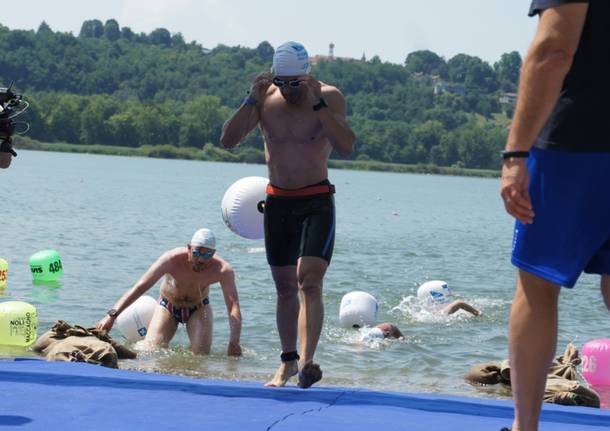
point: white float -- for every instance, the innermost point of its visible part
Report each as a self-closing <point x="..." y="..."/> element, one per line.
<point x="242" y="207"/>
<point x="134" y="320"/>
<point x="358" y="309"/>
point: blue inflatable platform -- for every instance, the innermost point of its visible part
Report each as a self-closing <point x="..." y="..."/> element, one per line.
<point x="39" y="395"/>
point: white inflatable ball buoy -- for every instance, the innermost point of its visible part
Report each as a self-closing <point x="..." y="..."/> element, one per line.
<point x="358" y="309"/>
<point x="242" y="207"/>
<point x="134" y="320"/>
<point x="18" y="323"/>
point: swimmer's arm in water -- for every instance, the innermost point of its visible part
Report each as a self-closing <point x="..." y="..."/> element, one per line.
<point x="247" y="116"/>
<point x="148" y="280"/>
<point x="229" y="290"/>
<point x="334" y="117"/>
<point x="460" y="305"/>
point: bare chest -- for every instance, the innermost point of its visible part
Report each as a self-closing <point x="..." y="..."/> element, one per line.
<point x="183" y="290"/>
<point x="290" y="125"/>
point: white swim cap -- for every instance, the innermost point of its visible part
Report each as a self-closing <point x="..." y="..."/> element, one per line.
<point x="204" y="238"/>
<point x="290" y="59"/>
<point x="435" y="292"/>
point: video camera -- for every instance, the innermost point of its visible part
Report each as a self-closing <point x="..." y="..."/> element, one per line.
<point x="11" y="106"/>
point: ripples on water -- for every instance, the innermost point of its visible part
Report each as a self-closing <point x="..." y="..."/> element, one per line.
<point x="111" y="217"/>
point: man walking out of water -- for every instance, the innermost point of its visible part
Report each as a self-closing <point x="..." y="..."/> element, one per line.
<point x="302" y="121"/>
<point x="560" y="198"/>
<point x="189" y="271"/>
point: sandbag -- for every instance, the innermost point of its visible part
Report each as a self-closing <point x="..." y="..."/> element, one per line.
<point x="562" y="385"/>
<point x="569" y="393"/>
<point x="64" y="342"/>
<point x="82" y="349"/>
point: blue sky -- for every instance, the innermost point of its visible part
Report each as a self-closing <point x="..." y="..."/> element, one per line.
<point x="387" y="28"/>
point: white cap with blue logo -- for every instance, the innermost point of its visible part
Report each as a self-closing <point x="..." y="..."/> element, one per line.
<point x="434" y="292"/>
<point x="290" y="59"/>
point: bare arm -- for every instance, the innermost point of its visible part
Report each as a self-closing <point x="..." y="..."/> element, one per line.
<point x="544" y="70"/>
<point x="229" y="290"/>
<point x="460" y="305"/>
<point x="150" y="277"/>
<point x="333" y="118"/>
<point x="547" y="63"/>
<point x="247" y="116"/>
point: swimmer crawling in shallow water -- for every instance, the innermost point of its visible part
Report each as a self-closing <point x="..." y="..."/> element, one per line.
<point x="189" y="271"/>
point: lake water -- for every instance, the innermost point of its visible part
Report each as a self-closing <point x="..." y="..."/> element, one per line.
<point x="111" y="217"/>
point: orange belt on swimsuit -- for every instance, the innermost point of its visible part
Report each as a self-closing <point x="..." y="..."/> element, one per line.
<point x="305" y="191"/>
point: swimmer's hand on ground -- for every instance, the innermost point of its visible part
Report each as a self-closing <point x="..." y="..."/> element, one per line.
<point x="260" y="85"/>
<point x="314" y="88"/>
<point x="234" y="349"/>
<point x="514" y="190"/>
<point x="106" y="323"/>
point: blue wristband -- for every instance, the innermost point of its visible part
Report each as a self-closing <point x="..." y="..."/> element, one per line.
<point x="250" y="100"/>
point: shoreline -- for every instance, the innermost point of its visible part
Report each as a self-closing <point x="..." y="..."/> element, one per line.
<point x="211" y="153"/>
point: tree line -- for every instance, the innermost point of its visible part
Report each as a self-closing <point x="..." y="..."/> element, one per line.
<point x="112" y="86"/>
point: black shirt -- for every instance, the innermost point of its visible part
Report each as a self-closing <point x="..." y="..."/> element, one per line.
<point x="581" y="119"/>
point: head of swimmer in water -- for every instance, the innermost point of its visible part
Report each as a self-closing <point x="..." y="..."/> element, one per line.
<point x="201" y="249"/>
<point x="290" y="65"/>
<point x="389" y="330"/>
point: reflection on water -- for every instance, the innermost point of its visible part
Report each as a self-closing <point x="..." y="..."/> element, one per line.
<point x="44" y="292"/>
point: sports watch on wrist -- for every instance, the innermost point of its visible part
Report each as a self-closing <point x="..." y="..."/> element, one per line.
<point x="321" y="104"/>
<point x="112" y="313"/>
<point x="515" y="154"/>
<point x="250" y="100"/>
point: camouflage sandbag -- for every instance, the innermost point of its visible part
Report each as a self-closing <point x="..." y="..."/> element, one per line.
<point x="490" y="373"/>
<point x="562" y="385"/>
<point x="82" y="349"/>
<point x="569" y="393"/>
<point x="484" y="374"/>
<point x="565" y="365"/>
<point x="82" y="344"/>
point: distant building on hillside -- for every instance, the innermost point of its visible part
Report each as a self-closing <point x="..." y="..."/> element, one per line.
<point x="331" y="56"/>
<point x="509" y="98"/>
<point x="441" y="87"/>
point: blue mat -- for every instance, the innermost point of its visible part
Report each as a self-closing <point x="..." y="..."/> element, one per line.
<point x="39" y="395"/>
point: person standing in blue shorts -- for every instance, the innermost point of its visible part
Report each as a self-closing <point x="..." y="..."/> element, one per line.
<point x="555" y="183"/>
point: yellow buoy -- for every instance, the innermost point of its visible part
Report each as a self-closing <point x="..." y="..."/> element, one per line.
<point x="3" y="273"/>
<point x="18" y="323"/>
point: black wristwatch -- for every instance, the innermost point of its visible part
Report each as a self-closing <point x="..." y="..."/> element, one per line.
<point x="321" y="104"/>
<point x="516" y="154"/>
<point x="112" y="313"/>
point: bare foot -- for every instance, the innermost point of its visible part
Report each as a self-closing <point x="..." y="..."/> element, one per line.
<point x="283" y="373"/>
<point x="309" y="374"/>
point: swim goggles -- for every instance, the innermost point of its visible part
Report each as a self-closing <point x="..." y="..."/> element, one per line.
<point x="293" y="83"/>
<point x="204" y="255"/>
